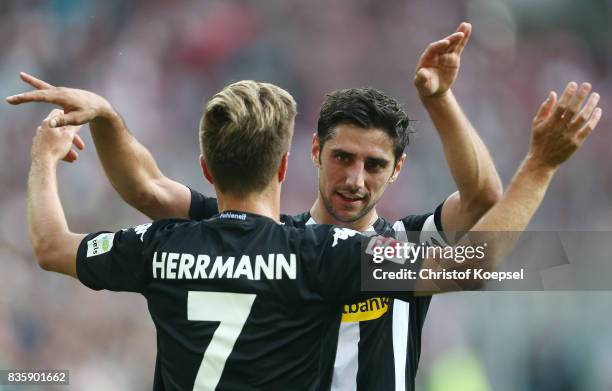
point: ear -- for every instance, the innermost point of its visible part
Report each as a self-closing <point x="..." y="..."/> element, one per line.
<point x="315" y="150"/>
<point x="397" y="168"/>
<point x="282" y="167"/>
<point x="205" y="170"/>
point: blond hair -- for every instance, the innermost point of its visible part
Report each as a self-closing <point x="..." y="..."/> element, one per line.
<point x="244" y="132"/>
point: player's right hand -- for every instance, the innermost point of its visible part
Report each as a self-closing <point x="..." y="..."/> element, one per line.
<point x="560" y="127"/>
<point x="438" y="66"/>
<point x="55" y="143"/>
<point x="79" y="106"/>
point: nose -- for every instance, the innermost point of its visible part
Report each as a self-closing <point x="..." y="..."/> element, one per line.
<point x="355" y="178"/>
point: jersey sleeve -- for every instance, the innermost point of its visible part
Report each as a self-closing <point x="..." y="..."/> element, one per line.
<point x="202" y="207"/>
<point x="426" y="228"/>
<point x="116" y="261"/>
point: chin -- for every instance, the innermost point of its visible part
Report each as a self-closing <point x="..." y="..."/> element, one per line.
<point x="348" y="217"/>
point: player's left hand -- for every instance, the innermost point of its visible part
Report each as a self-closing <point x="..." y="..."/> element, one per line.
<point x="79" y="106"/>
<point x="56" y="142"/>
<point x="439" y="64"/>
<point x="561" y="126"/>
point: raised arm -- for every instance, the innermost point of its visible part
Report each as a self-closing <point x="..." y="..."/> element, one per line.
<point x="558" y="130"/>
<point x="469" y="161"/>
<point x="54" y="245"/>
<point x="129" y="166"/>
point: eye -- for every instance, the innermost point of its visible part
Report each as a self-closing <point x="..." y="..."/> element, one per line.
<point x="342" y="157"/>
<point x="375" y="165"/>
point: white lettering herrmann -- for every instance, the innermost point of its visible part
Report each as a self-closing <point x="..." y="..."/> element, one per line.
<point x="173" y="266"/>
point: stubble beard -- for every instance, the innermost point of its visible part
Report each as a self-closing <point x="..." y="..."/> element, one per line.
<point x="330" y="209"/>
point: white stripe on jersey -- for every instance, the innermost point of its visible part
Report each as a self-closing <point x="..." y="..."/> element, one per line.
<point x="346" y="363"/>
<point x="401" y="312"/>
<point x="347" y="358"/>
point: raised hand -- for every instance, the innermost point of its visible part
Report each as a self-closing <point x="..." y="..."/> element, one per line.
<point x="439" y="64"/>
<point x="79" y="106"/>
<point x="56" y="143"/>
<point x="560" y="127"/>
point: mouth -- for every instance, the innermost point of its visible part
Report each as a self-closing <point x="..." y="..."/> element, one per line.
<point x="350" y="198"/>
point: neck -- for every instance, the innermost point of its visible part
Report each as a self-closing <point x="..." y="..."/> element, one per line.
<point x="320" y="214"/>
<point x="265" y="203"/>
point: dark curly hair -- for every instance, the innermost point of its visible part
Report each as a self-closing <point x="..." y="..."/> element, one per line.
<point x="366" y="108"/>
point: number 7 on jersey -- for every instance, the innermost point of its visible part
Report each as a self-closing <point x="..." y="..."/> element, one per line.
<point x="232" y="310"/>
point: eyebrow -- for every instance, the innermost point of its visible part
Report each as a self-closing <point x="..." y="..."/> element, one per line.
<point x="337" y="151"/>
<point x="372" y="160"/>
<point x="378" y="161"/>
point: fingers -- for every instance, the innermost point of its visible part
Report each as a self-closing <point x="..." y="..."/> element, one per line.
<point x="438" y="46"/>
<point x="581" y="123"/>
<point x="55" y="117"/>
<point x="546" y="107"/>
<point x="466" y="29"/>
<point x="54" y="113"/>
<point x="74" y="118"/>
<point x="583" y="133"/>
<point x="442" y="46"/>
<point x="78" y="142"/>
<point x="585" y="114"/>
<point x="454" y="41"/>
<point x="34" y="96"/>
<point x="71" y="156"/>
<point x="578" y="122"/>
<point x="47" y="125"/>
<point x="45" y="92"/>
<point x="34" y="82"/>
<point x="564" y="101"/>
<point x="576" y="102"/>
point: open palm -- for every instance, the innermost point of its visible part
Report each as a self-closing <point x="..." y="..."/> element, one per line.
<point x="439" y="64"/>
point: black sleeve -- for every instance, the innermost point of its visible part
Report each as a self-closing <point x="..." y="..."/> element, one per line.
<point x="202" y="207"/>
<point x="116" y="261"/>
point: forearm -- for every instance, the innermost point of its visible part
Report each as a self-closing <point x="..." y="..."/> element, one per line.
<point x="54" y="245"/>
<point x="128" y="165"/>
<point x="133" y="172"/>
<point x="498" y="229"/>
<point x="520" y="201"/>
<point x="501" y="227"/>
<point x="469" y="161"/>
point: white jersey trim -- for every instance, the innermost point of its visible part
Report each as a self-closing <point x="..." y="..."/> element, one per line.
<point x="401" y="311"/>
<point x="346" y="363"/>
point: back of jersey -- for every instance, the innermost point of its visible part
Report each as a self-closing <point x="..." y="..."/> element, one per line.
<point x="234" y="307"/>
<point x="239" y="301"/>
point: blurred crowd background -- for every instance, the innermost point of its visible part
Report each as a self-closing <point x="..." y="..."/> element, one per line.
<point x="159" y="61"/>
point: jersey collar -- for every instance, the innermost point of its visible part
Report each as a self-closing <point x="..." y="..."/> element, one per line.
<point x="237" y="215"/>
<point x="378" y="225"/>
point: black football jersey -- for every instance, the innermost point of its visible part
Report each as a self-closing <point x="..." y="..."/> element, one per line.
<point x="239" y="302"/>
<point x="379" y="339"/>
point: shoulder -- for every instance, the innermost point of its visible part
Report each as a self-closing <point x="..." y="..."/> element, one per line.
<point x="173" y="224"/>
<point x="297" y="221"/>
<point x="162" y="228"/>
<point x="202" y="207"/>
